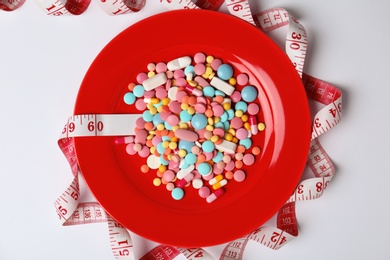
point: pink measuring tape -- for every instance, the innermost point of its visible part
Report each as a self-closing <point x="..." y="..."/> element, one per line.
<point x="71" y="212"/>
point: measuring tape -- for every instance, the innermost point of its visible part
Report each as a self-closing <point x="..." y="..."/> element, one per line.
<point x="71" y="212"/>
<point x="10" y="5"/>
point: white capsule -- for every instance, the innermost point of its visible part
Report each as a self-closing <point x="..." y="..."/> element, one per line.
<point x="222" y="85"/>
<point x="179" y="63"/>
<point x="213" y="196"/>
<point x="183" y="172"/>
<point x="226" y="146"/>
<point x="155" y="81"/>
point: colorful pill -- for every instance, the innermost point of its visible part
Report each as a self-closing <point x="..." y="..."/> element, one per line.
<point x="155" y="81"/>
<point x="186" y="135"/>
<point x="179" y="63"/>
<point x="222" y="85"/>
<point x="177" y="193"/>
<point x="253" y="124"/>
<point x="124" y="139"/>
<point x="184" y="181"/>
<point x="215" y="195"/>
<point x="220" y="184"/>
<point x="216" y="179"/>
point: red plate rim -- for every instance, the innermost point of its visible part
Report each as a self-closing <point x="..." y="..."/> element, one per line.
<point x="129" y="196"/>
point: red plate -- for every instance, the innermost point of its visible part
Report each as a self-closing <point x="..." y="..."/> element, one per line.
<point x="129" y="196"/>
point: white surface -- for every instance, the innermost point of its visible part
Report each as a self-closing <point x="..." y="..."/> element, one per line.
<point x="42" y="63"/>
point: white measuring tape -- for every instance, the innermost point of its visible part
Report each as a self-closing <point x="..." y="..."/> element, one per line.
<point x="71" y="212"/>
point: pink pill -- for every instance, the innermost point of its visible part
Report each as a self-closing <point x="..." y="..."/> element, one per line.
<point x="197" y="175"/>
<point x="169" y="175"/>
<point x="137" y="147"/>
<point x="253" y="109"/>
<point x="217" y="170"/>
<point x="207" y="134"/>
<point x="181" y="82"/>
<point x="140" y="105"/>
<point x="219" y="131"/>
<point x="239" y="175"/>
<point x="236" y="123"/>
<point x="248" y="159"/>
<point x="144" y="152"/>
<point x="199" y="69"/>
<point x="229" y="166"/>
<point x="226" y="159"/>
<point x="242" y="79"/>
<point x="168" y="85"/>
<point x="201" y="81"/>
<point x="186" y="135"/>
<point x="200" y="108"/>
<point x="156" y="140"/>
<point x="199" y="58"/>
<point x="195" y="149"/>
<point x="180" y="95"/>
<point x="178" y="74"/>
<point x="175" y="107"/>
<point x="221" y="165"/>
<point x="161" y="93"/>
<point x="204" y="192"/>
<point x="207" y="177"/>
<point x="209" y="156"/>
<point x="169" y="74"/>
<point x="201" y="132"/>
<point x="236" y="96"/>
<point x="173" y="164"/>
<point x="202" y="100"/>
<point x="139" y="123"/>
<point x="140" y="136"/>
<point x="215" y="64"/>
<point x="161" y="67"/>
<point x="130" y="149"/>
<point x="218" y="110"/>
<point x="149" y="94"/>
<point x="141" y="77"/>
<point x="173" y="120"/>
<point x="241" y="133"/>
<point x="165" y="114"/>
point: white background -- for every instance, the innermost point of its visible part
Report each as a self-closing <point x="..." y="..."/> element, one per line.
<point x="42" y="63"/>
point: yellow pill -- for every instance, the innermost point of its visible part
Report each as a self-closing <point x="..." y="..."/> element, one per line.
<point x="174" y="139"/>
<point x="165" y="144"/>
<point x="182" y="153"/>
<point x="160" y="127"/>
<point x="209" y="59"/>
<point x="226" y="106"/>
<point x="162" y="168"/>
<point x="154" y="101"/>
<point x="165" y="101"/>
<point x="228" y="137"/>
<point x="235" y="140"/>
<point x="153" y="110"/>
<point x="149" y="137"/>
<point x="191" y="110"/>
<point x="232" y="131"/>
<point x="183" y="126"/>
<point x="175" y="127"/>
<point x="261" y="126"/>
<point x="245" y="118"/>
<point x="209" y="70"/>
<point x="209" y="128"/>
<point x="247" y="126"/>
<point x="152" y="149"/>
<point x="172" y="145"/>
<point x="210" y="121"/>
<point x="149" y="105"/>
<point x="214" y="138"/>
<point x="193" y="83"/>
<point x="184" y="106"/>
<point x="157" y="182"/>
<point x="151" y="74"/>
<point x="211" y="76"/>
<point x="159" y="109"/>
<point x="169" y="156"/>
<point x="232" y="81"/>
<point x="216" y="120"/>
<point x="239" y="113"/>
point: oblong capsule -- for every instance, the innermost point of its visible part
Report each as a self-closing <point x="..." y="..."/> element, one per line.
<point x="215" y="195"/>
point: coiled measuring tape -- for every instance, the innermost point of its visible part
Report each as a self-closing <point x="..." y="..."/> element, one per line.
<point x="71" y="212"/>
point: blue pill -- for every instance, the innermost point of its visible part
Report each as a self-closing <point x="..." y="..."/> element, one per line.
<point x="189" y="69"/>
<point x="208" y="146"/>
<point x="165" y="138"/>
<point x="241" y="105"/>
<point x="218" y="157"/>
<point x="163" y="161"/>
<point x="167" y="126"/>
<point x="219" y="93"/>
<point x="249" y="93"/>
<point x="204" y="168"/>
<point x="177" y="193"/>
<point x="226" y="125"/>
<point x="219" y="125"/>
<point x="225" y="71"/>
<point x="185" y="116"/>
<point x="224" y="117"/>
<point x="230" y="113"/>
<point x="199" y="121"/>
<point x="147" y="116"/>
<point x="160" y="148"/>
<point x="157" y="119"/>
<point x="186" y="145"/>
<point x="208" y="91"/>
<point x="129" y="98"/>
<point x="139" y="90"/>
<point x="247" y="143"/>
<point x="190" y="158"/>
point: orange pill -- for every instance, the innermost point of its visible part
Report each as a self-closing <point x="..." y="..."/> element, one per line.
<point x="201" y="158"/>
<point x="229" y="175"/>
<point x="219" y="99"/>
<point x="149" y="126"/>
<point x="192" y="100"/>
<point x="209" y="113"/>
<point x="149" y="143"/>
<point x="238" y="164"/>
<point x="256" y="150"/>
<point x="185" y="99"/>
<point x="131" y="86"/>
<point x="240" y="149"/>
<point x="144" y="168"/>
